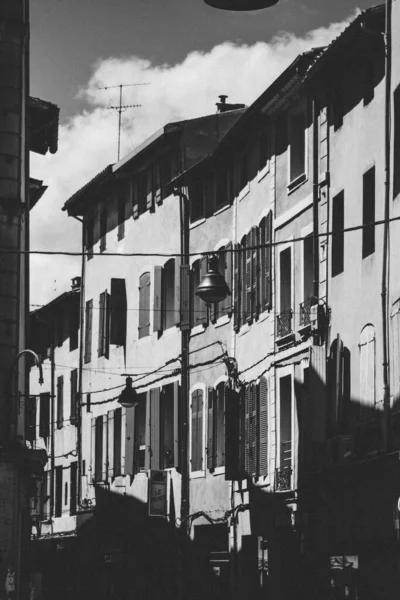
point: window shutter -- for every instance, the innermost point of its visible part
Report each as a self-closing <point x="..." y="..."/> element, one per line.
<point x="237" y="288"/>
<point x="144" y="305"/>
<point x="158" y="308"/>
<point x="123" y="439"/>
<point x="200" y="417"/>
<point x="93" y="450"/>
<point x="88" y="331"/>
<point x="247" y="436"/>
<point x="195" y="432"/>
<point x="60" y="401"/>
<point x="155" y="428"/>
<point x="110" y="422"/>
<point x="176" y="392"/>
<point x="266" y="263"/>
<point x="227" y="304"/>
<point x="129" y="440"/>
<point x="158" y="183"/>
<point x="118" y="310"/>
<point x="248" y="309"/>
<point x="210" y="430"/>
<point x="147" y="457"/>
<point x="254" y="430"/>
<point x="104" y="446"/>
<point x="135" y="199"/>
<point x="74" y="392"/>
<point x="185" y="297"/>
<point x="202" y="316"/>
<point x="101" y="324"/>
<point x="149" y="189"/>
<point x="255" y="274"/>
<point x="232" y="441"/>
<point x="263" y="435"/>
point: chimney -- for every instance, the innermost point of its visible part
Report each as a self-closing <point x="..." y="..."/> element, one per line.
<point x="76" y="283"/>
<point x="224" y="106"/>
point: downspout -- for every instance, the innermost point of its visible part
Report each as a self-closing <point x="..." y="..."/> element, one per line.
<point x="80" y="370"/>
<point x="384" y="285"/>
<point x="315" y="199"/>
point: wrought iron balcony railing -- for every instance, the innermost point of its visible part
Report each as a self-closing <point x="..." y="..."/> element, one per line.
<point x="283" y="479"/>
<point x="284" y="322"/>
<point x="305" y="309"/>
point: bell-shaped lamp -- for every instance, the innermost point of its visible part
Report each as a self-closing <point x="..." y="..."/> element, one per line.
<point x="128" y="397"/>
<point x="241" y="4"/>
<point x="213" y="287"/>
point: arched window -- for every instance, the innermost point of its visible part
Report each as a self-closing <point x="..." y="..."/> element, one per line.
<point x="367" y="373"/>
<point x="144" y="305"/>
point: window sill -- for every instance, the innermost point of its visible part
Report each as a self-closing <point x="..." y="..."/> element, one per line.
<point x="221" y="209"/>
<point x="243" y="193"/>
<point x="219" y="471"/>
<point x="197" y="474"/>
<point x="296" y="183"/>
<point x="197" y="330"/>
<point x="197" y="223"/>
<point x="263" y="172"/>
<point x="222" y="321"/>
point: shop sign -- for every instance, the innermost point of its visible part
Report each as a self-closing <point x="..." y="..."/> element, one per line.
<point x="158" y="494"/>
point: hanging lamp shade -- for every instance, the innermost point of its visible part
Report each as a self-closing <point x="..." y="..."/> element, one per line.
<point x="128" y="397"/>
<point x="213" y="287"/>
<point x="241" y="4"/>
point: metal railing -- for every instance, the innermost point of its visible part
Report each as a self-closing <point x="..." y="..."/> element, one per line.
<point x="284" y="322"/>
<point x="283" y="479"/>
<point x="305" y="310"/>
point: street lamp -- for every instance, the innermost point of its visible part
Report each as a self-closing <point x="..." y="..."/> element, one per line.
<point x="213" y="287"/>
<point x="128" y="398"/>
<point x="241" y="5"/>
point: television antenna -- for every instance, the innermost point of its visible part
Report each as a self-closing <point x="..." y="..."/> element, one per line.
<point x="120" y="108"/>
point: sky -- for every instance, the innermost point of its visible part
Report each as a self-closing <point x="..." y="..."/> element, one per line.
<point x="185" y="51"/>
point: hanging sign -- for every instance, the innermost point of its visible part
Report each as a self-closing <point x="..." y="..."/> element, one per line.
<point x="158" y="494"/>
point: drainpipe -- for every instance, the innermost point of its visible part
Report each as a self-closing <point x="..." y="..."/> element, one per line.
<point x="384" y="285"/>
<point x="80" y="370"/>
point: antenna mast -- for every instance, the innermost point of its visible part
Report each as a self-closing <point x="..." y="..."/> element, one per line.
<point x="121" y="108"/>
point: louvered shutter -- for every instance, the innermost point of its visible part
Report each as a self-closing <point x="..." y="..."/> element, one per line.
<point x="263" y="433"/>
<point x="185" y="297"/>
<point x="232" y="440"/>
<point x="135" y="199"/>
<point x="129" y="440"/>
<point x="253" y="430"/>
<point x="227" y="304"/>
<point x="266" y="263"/>
<point x="110" y="422"/>
<point x="210" y="430"/>
<point x="107" y="310"/>
<point x="176" y="393"/>
<point x="195" y="432"/>
<point x="73" y="395"/>
<point x="247" y="435"/>
<point x="200" y="417"/>
<point x="158" y="308"/>
<point x="104" y="447"/>
<point x="255" y="274"/>
<point x="155" y="428"/>
<point x="118" y="310"/>
<point x="93" y="450"/>
<point x="237" y="288"/>
<point x="88" y="331"/>
<point x="100" y="351"/>
<point x="202" y="316"/>
<point x="158" y="183"/>
<point x="248" y="308"/>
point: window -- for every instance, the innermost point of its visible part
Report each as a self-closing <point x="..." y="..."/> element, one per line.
<point x="141" y="430"/>
<point x="74" y="396"/>
<point x="168" y="291"/>
<point x="166" y="296"/>
<point x="60" y="401"/>
<point x="88" y="402"/>
<point x="97" y="458"/>
<point x="256" y="429"/>
<point x="117" y="439"/>
<point x="30" y="427"/>
<point x="197" y="199"/>
<point x="265" y="286"/>
<point x="89" y="238"/>
<point x="118" y="314"/>
<point x="58" y="498"/>
<point x="88" y="331"/>
<point x="197" y="429"/>
<point x="144" y="305"/>
<point x="368" y="233"/>
<point x="250" y="300"/>
<point x="338" y="235"/>
<point x="367" y="373"/>
<point x="164" y="427"/>
<point x="394" y="355"/>
<point x="73" y="487"/>
<point x="297" y="141"/>
<point x="216" y="427"/>
<point x="285" y="422"/>
<point x="198" y="309"/>
<point x="44" y="416"/>
<point x="104" y="325"/>
<point x="103" y="230"/>
<point x="284" y="321"/>
<point x="121" y="217"/>
<point x="73" y="327"/>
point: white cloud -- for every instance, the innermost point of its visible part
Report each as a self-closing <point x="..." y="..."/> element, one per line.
<point x="88" y="141"/>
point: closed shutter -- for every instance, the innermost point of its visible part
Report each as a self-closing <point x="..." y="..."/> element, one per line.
<point x="74" y="393"/>
<point x="266" y="262"/>
<point x="263" y="434"/>
<point x="176" y="392"/>
<point x="185" y="297"/>
<point x="247" y="436"/>
<point x="101" y="325"/>
<point x="195" y="459"/>
<point x="144" y="305"/>
<point x="227" y="303"/>
<point x="232" y="441"/>
<point x="155" y="429"/>
<point x="135" y="199"/>
<point x="210" y="430"/>
<point x="255" y="274"/>
<point x="158" y="183"/>
<point x="129" y="440"/>
<point x="104" y="324"/>
<point x="157" y="316"/>
<point x="118" y="312"/>
<point x="60" y="401"/>
<point x="248" y="308"/>
<point x="237" y="288"/>
<point x="93" y="450"/>
<point x="104" y="445"/>
<point x="88" y="331"/>
<point x="110" y="441"/>
<point x="149" y="189"/>
<point x="254" y="402"/>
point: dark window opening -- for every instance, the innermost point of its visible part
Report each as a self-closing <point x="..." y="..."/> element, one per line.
<point x="297" y="141"/>
<point x="58" y="498"/>
<point x="44" y="416"/>
<point x="338" y="234"/>
<point x="30" y="426"/>
<point x="66" y="493"/>
<point x="142" y="192"/>
<point x="144" y="305"/>
<point x="118" y="316"/>
<point x="98" y="453"/>
<point x="167" y="427"/>
<point x="74" y="396"/>
<point x="368" y="233"/>
<point x="88" y="402"/>
<point x="88" y="331"/>
<point x="121" y="218"/>
<point x="103" y="230"/>
<point x="104" y="325"/>
<point x="219" y="416"/>
<point x="117" y="441"/>
<point x="285" y="279"/>
<point x="73" y="487"/>
<point x="73" y="328"/>
<point x="141" y="429"/>
<point x="168" y="291"/>
<point x="285" y="425"/>
<point x="60" y="401"/>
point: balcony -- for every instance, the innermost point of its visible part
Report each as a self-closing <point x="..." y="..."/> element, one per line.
<point x="283" y="479"/>
<point x="305" y="311"/>
<point x="284" y="327"/>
